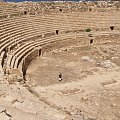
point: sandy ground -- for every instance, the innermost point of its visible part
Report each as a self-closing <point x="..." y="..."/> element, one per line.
<point x="90" y="85"/>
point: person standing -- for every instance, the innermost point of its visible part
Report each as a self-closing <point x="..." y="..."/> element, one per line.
<point x="60" y="77"/>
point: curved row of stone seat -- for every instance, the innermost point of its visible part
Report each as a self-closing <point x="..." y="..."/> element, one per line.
<point x="24" y="49"/>
<point x="88" y="21"/>
<point x="76" y="25"/>
<point x="101" y="22"/>
<point x="21" y="27"/>
<point x="8" y="8"/>
<point x="22" y="67"/>
<point x="17" y="29"/>
<point x="80" y="22"/>
<point x="8" y="11"/>
<point x="45" y="24"/>
<point x="14" y="43"/>
<point x="83" y="16"/>
<point x="10" y="57"/>
<point x="97" y="16"/>
<point x="19" y="53"/>
<point x="38" y="23"/>
<point x="15" y="34"/>
<point x="100" y="14"/>
<point x="23" y="61"/>
<point x="15" y="37"/>
<point x="11" y="42"/>
<point x="21" y="30"/>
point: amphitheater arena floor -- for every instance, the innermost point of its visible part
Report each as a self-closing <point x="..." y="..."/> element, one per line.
<point x="90" y="84"/>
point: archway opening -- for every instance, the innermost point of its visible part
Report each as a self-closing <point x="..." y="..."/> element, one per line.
<point x="24" y="69"/>
<point x="25" y="12"/>
<point x="57" y="31"/>
<point x="60" y="10"/>
<point x="112" y="27"/>
<point x="90" y="9"/>
<point x="91" y="41"/>
<point x="39" y="52"/>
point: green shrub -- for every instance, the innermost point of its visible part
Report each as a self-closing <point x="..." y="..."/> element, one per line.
<point x="88" y="30"/>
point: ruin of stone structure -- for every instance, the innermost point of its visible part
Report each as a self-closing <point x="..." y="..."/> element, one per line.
<point x="33" y="36"/>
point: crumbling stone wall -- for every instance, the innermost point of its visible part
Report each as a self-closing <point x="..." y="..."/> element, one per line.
<point x="28" y="60"/>
<point x="36" y="8"/>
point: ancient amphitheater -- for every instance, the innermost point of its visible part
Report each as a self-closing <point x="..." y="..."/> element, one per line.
<point x="40" y="40"/>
